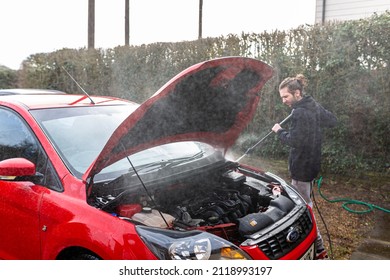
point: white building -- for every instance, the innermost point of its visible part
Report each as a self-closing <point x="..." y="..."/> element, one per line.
<point x="339" y="10"/>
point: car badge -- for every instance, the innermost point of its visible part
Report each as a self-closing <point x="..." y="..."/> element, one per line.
<point x="293" y="234"/>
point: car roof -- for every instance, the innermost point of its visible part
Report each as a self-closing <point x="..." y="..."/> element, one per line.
<point x="42" y="98"/>
<point x="17" y="91"/>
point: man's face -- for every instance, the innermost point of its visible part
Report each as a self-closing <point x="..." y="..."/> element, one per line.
<point x="288" y="98"/>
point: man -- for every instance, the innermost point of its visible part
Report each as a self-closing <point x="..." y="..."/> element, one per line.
<point x="304" y="139"/>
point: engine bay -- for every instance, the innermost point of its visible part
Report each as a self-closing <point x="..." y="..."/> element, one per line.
<point x="226" y="203"/>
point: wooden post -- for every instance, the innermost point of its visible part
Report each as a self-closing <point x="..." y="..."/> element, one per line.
<point x="91" y="24"/>
<point x="127" y="22"/>
<point x="200" y="19"/>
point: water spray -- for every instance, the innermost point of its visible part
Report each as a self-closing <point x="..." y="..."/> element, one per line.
<point x="262" y="139"/>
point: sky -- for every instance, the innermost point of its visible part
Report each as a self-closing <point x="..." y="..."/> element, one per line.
<point x="40" y="26"/>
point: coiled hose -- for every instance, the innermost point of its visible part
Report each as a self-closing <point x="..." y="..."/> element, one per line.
<point x="370" y="207"/>
<point x="347" y="202"/>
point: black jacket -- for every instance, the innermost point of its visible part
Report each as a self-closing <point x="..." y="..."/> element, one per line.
<point x="305" y="138"/>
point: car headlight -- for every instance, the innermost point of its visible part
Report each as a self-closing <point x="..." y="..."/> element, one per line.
<point x="189" y="245"/>
<point x="294" y="195"/>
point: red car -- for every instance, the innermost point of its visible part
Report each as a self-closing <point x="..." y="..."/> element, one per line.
<point x="92" y="177"/>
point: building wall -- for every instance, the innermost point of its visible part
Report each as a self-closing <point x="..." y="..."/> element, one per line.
<point x="338" y="10"/>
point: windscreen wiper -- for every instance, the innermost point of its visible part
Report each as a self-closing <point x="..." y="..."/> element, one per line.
<point x="169" y="162"/>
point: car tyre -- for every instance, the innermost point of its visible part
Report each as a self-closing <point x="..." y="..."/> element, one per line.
<point x="85" y="256"/>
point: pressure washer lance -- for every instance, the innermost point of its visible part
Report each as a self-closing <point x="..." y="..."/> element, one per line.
<point x="262" y="139"/>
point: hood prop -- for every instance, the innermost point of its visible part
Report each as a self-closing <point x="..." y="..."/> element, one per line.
<point x="262" y="139"/>
<point x="147" y="192"/>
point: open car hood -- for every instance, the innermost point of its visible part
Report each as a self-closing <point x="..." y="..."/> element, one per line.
<point x="211" y="102"/>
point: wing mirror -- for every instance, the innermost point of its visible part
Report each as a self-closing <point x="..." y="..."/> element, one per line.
<point x="19" y="169"/>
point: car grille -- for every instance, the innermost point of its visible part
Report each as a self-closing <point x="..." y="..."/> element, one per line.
<point x="277" y="246"/>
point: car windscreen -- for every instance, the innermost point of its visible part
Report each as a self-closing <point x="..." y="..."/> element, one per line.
<point x="159" y="163"/>
<point x="80" y="133"/>
<point x="164" y="157"/>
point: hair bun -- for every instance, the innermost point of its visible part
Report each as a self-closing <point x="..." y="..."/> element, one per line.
<point x="301" y="79"/>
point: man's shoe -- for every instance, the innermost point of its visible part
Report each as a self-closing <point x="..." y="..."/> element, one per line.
<point x="322" y="255"/>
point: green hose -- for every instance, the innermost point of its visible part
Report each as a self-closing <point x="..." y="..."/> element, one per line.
<point x="347" y="202"/>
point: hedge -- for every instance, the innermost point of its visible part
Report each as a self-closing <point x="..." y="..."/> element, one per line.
<point x="346" y="64"/>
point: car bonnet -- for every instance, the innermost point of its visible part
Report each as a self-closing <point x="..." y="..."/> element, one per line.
<point x="211" y="102"/>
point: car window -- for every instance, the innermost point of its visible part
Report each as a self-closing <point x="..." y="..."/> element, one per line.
<point x="18" y="141"/>
<point x="15" y="139"/>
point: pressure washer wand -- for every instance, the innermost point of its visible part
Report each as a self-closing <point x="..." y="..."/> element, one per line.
<point x="262" y="139"/>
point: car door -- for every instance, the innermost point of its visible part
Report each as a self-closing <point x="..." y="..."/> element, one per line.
<point x="20" y="200"/>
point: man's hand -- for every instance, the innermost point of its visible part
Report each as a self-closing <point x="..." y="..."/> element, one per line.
<point x="276" y="127"/>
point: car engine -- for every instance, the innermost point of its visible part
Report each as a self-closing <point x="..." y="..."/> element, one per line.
<point x="230" y="205"/>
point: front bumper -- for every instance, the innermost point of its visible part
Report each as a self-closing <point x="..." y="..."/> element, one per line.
<point x="277" y="241"/>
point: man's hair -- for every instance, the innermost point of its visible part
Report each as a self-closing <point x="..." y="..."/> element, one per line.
<point x="299" y="82"/>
